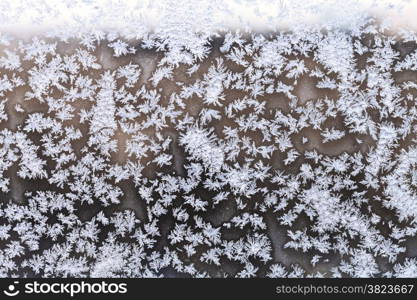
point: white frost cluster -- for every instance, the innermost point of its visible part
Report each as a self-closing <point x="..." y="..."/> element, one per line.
<point x="182" y="152"/>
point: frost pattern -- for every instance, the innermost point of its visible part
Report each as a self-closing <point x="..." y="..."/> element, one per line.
<point x="290" y="154"/>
